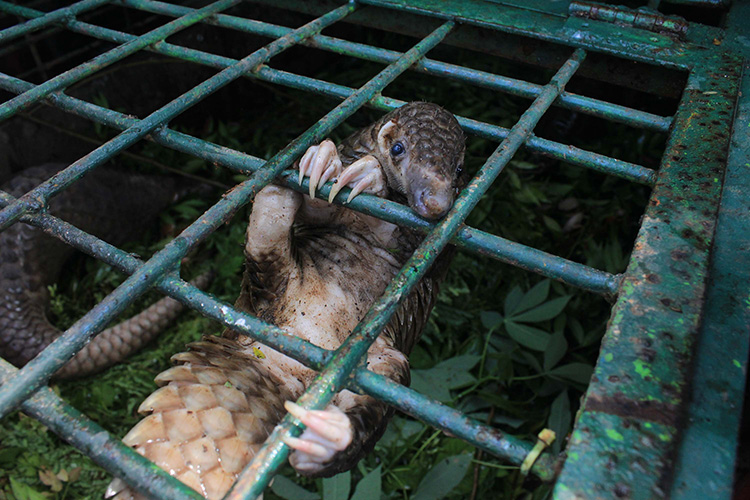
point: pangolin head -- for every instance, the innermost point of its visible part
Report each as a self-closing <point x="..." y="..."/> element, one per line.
<point x="421" y="148"/>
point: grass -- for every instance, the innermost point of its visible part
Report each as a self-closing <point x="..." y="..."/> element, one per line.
<point x="504" y="346"/>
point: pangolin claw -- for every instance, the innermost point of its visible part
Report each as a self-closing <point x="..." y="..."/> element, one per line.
<point x="320" y="163"/>
<point x="364" y="175"/>
<point x="328" y="431"/>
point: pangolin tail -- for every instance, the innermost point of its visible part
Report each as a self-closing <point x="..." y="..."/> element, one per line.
<point x="213" y="412"/>
<point x="120" y="341"/>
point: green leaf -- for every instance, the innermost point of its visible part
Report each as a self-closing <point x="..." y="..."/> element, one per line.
<point x="512" y="300"/>
<point x="369" y="487"/>
<point x="491" y="319"/>
<point x="452" y="373"/>
<point x="577" y="330"/>
<point x="546" y="311"/>
<point x="576" y="372"/>
<point x="463" y="363"/>
<point x="559" y="420"/>
<point x="337" y="487"/>
<point x="24" y="492"/>
<point x="443" y="477"/>
<point x="555" y="351"/>
<point x="551" y="224"/>
<point x="288" y="490"/>
<point x="9" y="455"/>
<point x="533" y="297"/>
<point x="528" y="336"/>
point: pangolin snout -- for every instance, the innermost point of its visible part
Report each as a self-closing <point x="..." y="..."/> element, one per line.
<point x="431" y="198"/>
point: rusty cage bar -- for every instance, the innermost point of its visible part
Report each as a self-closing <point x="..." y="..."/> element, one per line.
<point x="649" y="406"/>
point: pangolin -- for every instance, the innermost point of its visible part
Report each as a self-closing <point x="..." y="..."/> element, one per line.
<point x="108" y="203"/>
<point x="313" y="269"/>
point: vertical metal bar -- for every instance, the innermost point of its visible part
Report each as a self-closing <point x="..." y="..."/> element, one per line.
<point x="632" y="415"/>
<point x="257" y="475"/>
<point x="63" y="14"/>
<point x="38" y="370"/>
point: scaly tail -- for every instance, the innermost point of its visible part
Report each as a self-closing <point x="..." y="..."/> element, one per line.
<point x="213" y="413"/>
<point x="120" y="341"/>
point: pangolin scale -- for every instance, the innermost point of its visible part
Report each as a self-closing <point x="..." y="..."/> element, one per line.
<point x="313" y="269"/>
<point x="108" y="203"/>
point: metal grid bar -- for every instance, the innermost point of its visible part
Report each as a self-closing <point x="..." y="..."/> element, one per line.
<point x="331" y="380"/>
<point x="38" y="371"/>
<point x="364" y="379"/>
<point x="50" y="18"/>
<point x="468" y="238"/>
<point x="25" y="100"/>
<point x="570" y="154"/>
<point x="107" y="451"/>
<point x="407" y="400"/>
<point x="520" y="88"/>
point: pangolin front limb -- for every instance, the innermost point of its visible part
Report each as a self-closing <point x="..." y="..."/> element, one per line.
<point x="313" y="269"/>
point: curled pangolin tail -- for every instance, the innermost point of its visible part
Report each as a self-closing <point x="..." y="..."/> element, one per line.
<point x="213" y="412"/>
<point x="115" y="206"/>
<point x="120" y="341"/>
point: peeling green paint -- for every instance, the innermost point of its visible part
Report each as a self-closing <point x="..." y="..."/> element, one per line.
<point x="641" y="368"/>
<point x="614" y="435"/>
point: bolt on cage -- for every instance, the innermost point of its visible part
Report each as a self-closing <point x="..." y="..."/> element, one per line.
<point x="675" y="350"/>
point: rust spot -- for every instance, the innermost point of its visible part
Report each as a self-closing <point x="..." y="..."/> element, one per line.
<point x="653" y="278"/>
<point x="622" y="490"/>
<point x="671" y="305"/>
<point x="679" y="254"/>
<point x="647" y="355"/>
<point x="622" y="406"/>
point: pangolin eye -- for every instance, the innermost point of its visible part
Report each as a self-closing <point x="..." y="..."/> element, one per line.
<point x="397" y="149"/>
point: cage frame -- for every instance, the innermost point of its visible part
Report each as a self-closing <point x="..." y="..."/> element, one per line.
<point x="691" y="201"/>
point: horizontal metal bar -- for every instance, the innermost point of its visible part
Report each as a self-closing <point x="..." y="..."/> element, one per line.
<point x="256" y="476"/>
<point x="62" y="14"/>
<point x="521" y="88"/>
<point x="570" y="154"/>
<point x="426" y="409"/>
<point x="271" y="335"/>
<point x="468" y="238"/>
<point x="331" y="380"/>
<point x="107" y="451"/>
<point x="62" y="80"/>
<point x="445" y="418"/>
<point x="38" y="370"/>
<point x="432" y="412"/>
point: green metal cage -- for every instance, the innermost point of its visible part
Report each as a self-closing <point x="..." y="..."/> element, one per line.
<point x="664" y="404"/>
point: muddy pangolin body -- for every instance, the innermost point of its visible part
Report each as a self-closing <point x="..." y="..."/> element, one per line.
<point x="313" y="269"/>
<point x="113" y="205"/>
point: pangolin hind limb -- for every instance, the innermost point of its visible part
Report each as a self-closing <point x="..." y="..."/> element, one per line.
<point x="111" y="204"/>
<point x="313" y="269"/>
